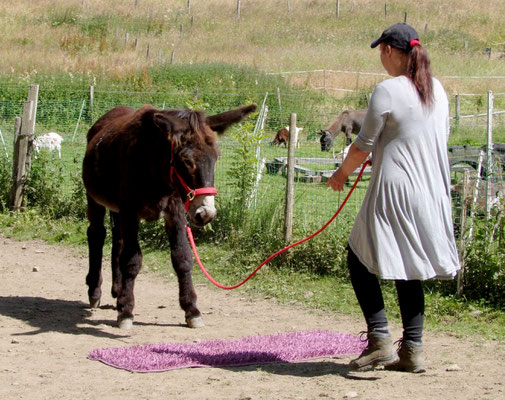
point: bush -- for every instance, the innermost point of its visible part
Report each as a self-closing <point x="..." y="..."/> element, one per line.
<point x="484" y="277"/>
<point x="5" y="182"/>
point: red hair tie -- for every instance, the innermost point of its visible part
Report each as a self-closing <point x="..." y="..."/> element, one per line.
<point x="413" y="42"/>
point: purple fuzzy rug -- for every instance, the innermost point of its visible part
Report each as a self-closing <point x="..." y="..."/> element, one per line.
<point x="283" y="347"/>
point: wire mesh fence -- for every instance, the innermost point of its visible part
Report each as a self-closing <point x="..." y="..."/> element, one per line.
<point x="71" y="117"/>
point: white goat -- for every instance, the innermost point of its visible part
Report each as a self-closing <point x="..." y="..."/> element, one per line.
<point x="50" y="141"/>
<point x="298" y="130"/>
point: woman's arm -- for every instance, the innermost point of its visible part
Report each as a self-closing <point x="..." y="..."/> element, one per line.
<point x="354" y="159"/>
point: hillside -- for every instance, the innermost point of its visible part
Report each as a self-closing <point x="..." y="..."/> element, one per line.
<point x="117" y="38"/>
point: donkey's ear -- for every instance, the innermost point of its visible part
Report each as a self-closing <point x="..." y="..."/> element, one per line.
<point x="167" y="125"/>
<point x="220" y="122"/>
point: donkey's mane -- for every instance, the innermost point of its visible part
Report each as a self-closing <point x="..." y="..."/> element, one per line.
<point x="196" y="120"/>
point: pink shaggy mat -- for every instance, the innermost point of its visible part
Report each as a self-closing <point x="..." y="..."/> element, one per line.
<point x="283" y="347"/>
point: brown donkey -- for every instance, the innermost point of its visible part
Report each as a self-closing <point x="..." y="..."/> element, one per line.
<point x="146" y="164"/>
<point x="348" y="122"/>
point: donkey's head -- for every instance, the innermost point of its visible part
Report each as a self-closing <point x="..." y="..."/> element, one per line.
<point x="193" y="155"/>
<point x="326" y="140"/>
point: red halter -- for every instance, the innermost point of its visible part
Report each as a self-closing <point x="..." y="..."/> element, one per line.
<point x="190" y="193"/>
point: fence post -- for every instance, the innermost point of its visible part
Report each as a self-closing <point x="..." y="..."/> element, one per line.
<point x="15" y="161"/>
<point x="28" y="127"/>
<point x="288" y="215"/>
<point x="489" y="163"/>
<point x="457" y="110"/>
<point x="91" y="102"/>
<point x="462" y="232"/>
<point x="324" y="81"/>
<point x="20" y="153"/>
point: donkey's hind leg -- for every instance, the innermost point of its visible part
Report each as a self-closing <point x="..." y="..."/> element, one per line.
<point x="117" y="243"/>
<point x="96" y="237"/>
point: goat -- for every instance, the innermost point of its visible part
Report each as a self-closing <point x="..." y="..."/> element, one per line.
<point x="50" y="141"/>
<point x="282" y="136"/>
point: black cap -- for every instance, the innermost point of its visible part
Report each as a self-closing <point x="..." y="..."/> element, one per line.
<point x="398" y="35"/>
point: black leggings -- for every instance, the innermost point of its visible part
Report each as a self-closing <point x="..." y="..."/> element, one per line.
<point x="369" y="295"/>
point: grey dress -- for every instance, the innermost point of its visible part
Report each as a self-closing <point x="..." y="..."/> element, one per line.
<point x="404" y="229"/>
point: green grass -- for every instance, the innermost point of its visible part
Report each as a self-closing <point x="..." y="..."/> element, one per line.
<point x="325" y="293"/>
<point x="61" y="37"/>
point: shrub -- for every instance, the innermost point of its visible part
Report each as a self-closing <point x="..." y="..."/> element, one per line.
<point x="5" y="182"/>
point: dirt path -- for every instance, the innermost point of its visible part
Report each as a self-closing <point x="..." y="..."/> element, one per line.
<point x="46" y="332"/>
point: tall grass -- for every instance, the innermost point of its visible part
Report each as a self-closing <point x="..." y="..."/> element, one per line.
<point x="62" y="36"/>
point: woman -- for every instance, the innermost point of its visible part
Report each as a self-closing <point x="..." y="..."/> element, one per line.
<point x="404" y="230"/>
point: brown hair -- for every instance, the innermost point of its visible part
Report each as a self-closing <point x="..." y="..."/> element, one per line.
<point x="419" y="72"/>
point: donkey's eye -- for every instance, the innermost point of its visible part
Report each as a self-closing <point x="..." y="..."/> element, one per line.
<point x="190" y="165"/>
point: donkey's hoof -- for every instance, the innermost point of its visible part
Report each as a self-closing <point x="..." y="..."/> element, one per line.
<point x="195" y="322"/>
<point x="125" y="324"/>
<point x="94" y="303"/>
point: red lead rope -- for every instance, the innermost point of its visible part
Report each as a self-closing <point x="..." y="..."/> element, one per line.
<point x="192" y="241"/>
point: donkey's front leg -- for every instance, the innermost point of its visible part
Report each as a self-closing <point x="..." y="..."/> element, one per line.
<point x="130" y="262"/>
<point x="348" y="139"/>
<point x="182" y="261"/>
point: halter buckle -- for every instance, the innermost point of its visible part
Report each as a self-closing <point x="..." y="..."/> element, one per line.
<point x="191" y="195"/>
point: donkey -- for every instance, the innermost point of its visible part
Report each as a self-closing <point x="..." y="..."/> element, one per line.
<point x="146" y="164"/>
<point x="349" y="121"/>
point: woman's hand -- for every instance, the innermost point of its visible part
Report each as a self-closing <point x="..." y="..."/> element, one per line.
<point x="337" y="180"/>
<point x="353" y="160"/>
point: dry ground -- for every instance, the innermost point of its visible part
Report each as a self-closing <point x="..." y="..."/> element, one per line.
<point x="46" y="332"/>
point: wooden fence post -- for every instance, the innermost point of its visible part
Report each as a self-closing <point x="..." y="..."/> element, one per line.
<point x="457" y="110"/>
<point x="15" y="161"/>
<point x="20" y="153"/>
<point x="28" y="127"/>
<point x="324" y="81"/>
<point x="288" y="215"/>
<point x="24" y="130"/>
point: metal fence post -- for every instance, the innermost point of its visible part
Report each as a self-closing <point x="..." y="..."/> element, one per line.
<point x="288" y="220"/>
<point x="489" y="154"/>
<point x="462" y="231"/>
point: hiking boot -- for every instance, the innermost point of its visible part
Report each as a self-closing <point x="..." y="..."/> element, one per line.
<point x="411" y="357"/>
<point x="378" y="352"/>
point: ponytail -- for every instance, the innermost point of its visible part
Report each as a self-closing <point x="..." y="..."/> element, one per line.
<point x="419" y="72"/>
